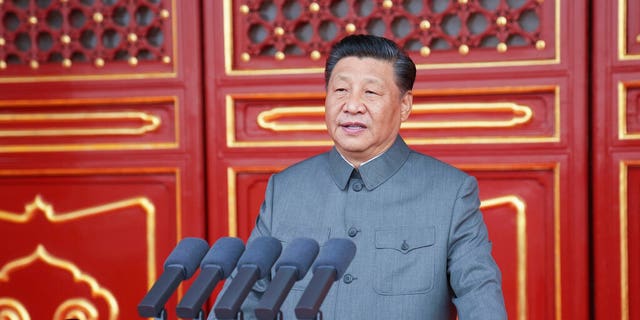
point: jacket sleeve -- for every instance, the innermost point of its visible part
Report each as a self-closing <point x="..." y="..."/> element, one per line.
<point x="473" y="273"/>
<point x="262" y="228"/>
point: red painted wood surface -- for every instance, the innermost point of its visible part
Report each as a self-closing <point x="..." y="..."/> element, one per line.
<point x="101" y="159"/>
<point x="616" y="155"/>
<point x="256" y="90"/>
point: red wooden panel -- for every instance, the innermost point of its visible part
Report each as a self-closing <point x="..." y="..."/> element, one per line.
<point x="616" y="144"/>
<point x="519" y="208"/>
<point x="99" y="235"/>
<point x="250" y="188"/>
<point x="546" y="73"/>
<point x="92" y="123"/>
<point x="495" y="115"/>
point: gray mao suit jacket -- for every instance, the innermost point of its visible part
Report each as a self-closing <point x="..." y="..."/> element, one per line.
<point x="422" y="245"/>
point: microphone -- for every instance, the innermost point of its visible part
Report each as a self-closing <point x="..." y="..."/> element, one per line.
<point x="216" y="265"/>
<point x="333" y="260"/>
<point x="181" y="264"/>
<point x="255" y="263"/>
<point x="292" y="266"/>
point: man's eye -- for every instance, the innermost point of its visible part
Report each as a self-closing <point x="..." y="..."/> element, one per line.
<point x="341" y="89"/>
<point x="371" y="92"/>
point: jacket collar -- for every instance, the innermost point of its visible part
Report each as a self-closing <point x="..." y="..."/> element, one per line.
<point x="373" y="172"/>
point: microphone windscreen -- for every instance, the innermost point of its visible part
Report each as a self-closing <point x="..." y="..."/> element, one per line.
<point x="336" y="253"/>
<point x="261" y="252"/>
<point x="300" y="253"/>
<point x="187" y="255"/>
<point x="224" y="254"/>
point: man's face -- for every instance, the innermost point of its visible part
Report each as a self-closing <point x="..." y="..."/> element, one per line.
<point x="364" y="107"/>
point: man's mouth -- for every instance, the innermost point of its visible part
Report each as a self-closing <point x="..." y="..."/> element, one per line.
<point x="353" y="125"/>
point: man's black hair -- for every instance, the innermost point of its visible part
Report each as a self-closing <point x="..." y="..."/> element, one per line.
<point x="370" y="46"/>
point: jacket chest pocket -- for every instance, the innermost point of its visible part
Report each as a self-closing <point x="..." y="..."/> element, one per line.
<point x="404" y="259"/>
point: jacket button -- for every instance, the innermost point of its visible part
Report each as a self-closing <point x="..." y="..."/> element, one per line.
<point x="352" y="232"/>
<point x="348" y="278"/>
<point x="404" y="246"/>
<point x="357" y="186"/>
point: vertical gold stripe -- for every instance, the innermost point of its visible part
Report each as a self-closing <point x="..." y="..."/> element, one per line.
<point x="230" y="117"/>
<point x="622" y="111"/>
<point x="178" y="206"/>
<point x="622" y="29"/>
<point x="558" y="247"/>
<point x="521" y="247"/>
<point x="227" y="16"/>
<point x="557" y="113"/>
<point x="174" y="24"/>
<point x="232" y="203"/>
<point x="624" y="249"/>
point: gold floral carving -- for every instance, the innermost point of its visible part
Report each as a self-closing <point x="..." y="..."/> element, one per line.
<point x="41" y="254"/>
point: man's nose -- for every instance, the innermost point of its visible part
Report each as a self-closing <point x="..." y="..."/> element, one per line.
<point x="354" y="104"/>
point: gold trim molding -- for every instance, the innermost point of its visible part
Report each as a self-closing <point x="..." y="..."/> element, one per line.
<point x="12" y="309"/>
<point x="268" y="120"/>
<point x="623" y="131"/>
<point x="520" y="115"/>
<point x="622" y="33"/>
<point x="77" y="308"/>
<point x="150" y="123"/>
<point x="623" y="224"/>
<point x="521" y="245"/>
<point x="41" y="254"/>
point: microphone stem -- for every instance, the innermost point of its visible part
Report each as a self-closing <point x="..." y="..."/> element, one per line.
<point x="153" y="303"/>
<point x="229" y="304"/>
<point x="314" y="294"/>
<point x="200" y="290"/>
<point x="279" y="287"/>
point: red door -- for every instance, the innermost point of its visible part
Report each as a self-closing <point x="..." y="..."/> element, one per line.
<point x="118" y="137"/>
<point x="500" y="93"/>
<point x="616" y="161"/>
<point x="101" y="169"/>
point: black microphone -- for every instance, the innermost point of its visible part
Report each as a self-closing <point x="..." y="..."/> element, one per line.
<point x="333" y="260"/>
<point x="292" y="266"/>
<point x="181" y="264"/>
<point x="254" y="264"/>
<point x="216" y="265"/>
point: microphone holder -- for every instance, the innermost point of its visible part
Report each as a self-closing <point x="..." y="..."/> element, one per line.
<point x="239" y="316"/>
<point x="309" y="305"/>
<point x="200" y="315"/>
<point x="162" y="315"/>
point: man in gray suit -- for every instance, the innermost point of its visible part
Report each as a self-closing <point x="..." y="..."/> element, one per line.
<point x="422" y="245"/>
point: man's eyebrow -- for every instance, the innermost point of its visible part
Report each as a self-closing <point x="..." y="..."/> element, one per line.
<point x="374" y="80"/>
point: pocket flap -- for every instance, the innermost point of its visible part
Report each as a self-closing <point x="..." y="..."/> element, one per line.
<point x="405" y="239"/>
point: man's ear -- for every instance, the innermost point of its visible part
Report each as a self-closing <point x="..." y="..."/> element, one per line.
<point x="406" y="103"/>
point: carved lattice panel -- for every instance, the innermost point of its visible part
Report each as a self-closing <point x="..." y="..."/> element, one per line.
<point x="279" y="34"/>
<point x="72" y="37"/>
